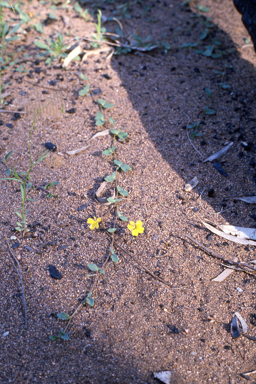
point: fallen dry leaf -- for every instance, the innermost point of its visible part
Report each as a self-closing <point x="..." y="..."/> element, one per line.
<point x="229" y="237"/>
<point x="219" y="153"/>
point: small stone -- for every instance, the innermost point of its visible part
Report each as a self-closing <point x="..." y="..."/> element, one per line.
<point x="6" y="333"/>
<point x="8" y="125"/>
<point x="60" y="247"/>
<point x="52" y="147"/>
<point x="54" y="273"/>
<point x="96" y="92"/>
<point x="172" y="328"/>
<point x="15" y="245"/>
<point x="107" y="76"/>
<point x="239" y="290"/>
<point x="52" y="82"/>
<point x="82" y="207"/>
<point x="72" y="110"/>
<point x="16" y="115"/>
<point x="211" y="192"/>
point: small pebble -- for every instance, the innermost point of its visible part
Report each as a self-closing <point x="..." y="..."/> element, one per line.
<point x="71" y="110"/>
<point x="54" y="273"/>
<point x="15" y="245"/>
<point x="8" y="125"/>
<point x="239" y="290"/>
<point x="6" y="333"/>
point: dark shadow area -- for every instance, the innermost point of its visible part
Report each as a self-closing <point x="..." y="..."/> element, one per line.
<point x="169" y="92"/>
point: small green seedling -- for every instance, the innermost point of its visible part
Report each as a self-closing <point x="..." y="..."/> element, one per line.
<point x="93" y="267"/>
<point x="114" y="257"/>
<point x="100" y="119"/>
<point x="89" y="300"/>
<point x="84" y="91"/>
<point x="84" y="13"/>
<point x="55" y="49"/>
<point x="104" y="104"/>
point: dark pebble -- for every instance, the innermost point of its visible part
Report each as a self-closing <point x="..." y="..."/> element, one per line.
<point x="37" y="62"/>
<point x="1" y="122"/>
<point x="28" y="248"/>
<point x="173" y="69"/>
<point x="228" y="347"/>
<point x="253" y="319"/>
<point x="60" y="247"/>
<point x="54" y="273"/>
<point x="71" y="193"/>
<point x="197" y="70"/>
<point x="203" y="142"/>
<point x="82" y="207"/>
<point x="52" y="82"/>
<point x="52" y="147"/>
<point x="240" y="155"/>
<point x="97" y="91"/>
<point x="15" y="245"/>
<point x="200" y="309"/>
<point x="172" y="328"/>
<point x="211" y="192"/>
<point x="16" y="115"/>
<point x="252" y="163"/>
<point x="38" y="70"/>
<point x="88" y="332"/>
<point x="72" y="110"/>
<point x="219" y="168"/>
<point x="9" y="125"/>
<point x="106" y="76"/>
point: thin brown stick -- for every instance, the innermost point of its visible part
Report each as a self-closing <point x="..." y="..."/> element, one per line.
<point x="4" y="111"/>
<point x="140" y="265"/>
<point x="21" y="283"/>
<point x="213" y="254"/>
<point x="238" y="269"/>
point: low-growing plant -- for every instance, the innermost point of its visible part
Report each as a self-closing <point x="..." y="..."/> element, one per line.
<point x="54" y="49"/>
<point x="23" y="178"/>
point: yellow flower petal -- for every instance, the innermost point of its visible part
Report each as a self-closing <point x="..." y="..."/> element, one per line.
<point x="131" y="225"/>
<point x="135" y="232"/>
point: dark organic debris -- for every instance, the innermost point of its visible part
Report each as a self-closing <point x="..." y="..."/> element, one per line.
<point x="71" y="110"/>
<point x="52" y="147"/>
<point x="82" y="207"/>
<point x="61" y="247"/>
<point x="54" y="273"/>
<point x="219" y="168"/>
<point x="15" y="245"/>
<point x="234" y="328"/>
<point x="211" y="192"/>
<point x="172" y="328"/>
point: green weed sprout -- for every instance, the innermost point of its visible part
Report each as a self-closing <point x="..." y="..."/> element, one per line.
<point x="55" y="49"/>
<point x="99" y="36"/>
<point x="23" y="179"/>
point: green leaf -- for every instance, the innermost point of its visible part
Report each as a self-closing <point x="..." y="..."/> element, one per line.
<point x="109" y="151"/>
<point x="122" y="191"/>
<point x="105" y="104"/>
<point x="122" y="135"/>
<point x="23" y="195"/>
<point x="114" y="258"/>
<point x="209" y="111"/>
<point x="118" y="163"/>
<point x="64" y="335"/>
<point x="111" y="230"/>
<point x="203" y="9"/>
<point x="194" y="125"/>
<point x="224" y="85"/>
<point x="14" y="29"/>
<point x="78" y="8"/>
<point x="39" y="27"/>
<point x="83" y="77"/>
<point x="93" y="267"/>
<point x="100" y="120"/>
<point x="41" y="45"/>
<point x="110" y="178"/>
<point x="84" y="91"/>
<point x="125" y="167"/>
<point x="52" y="184"/>
<point x="29" y="199"/>
<point x="121" y="217"/>
<point x="52" y="16"/>
<point x="111" y="120"/>
<point x="18" y="214"/>
<point x="89" y="300"/>
<point x="114" y="131"/>
<point x="7" y="155"/>
<point x="113" y="201"/>
<point x="204" y="34"/>
<point x="101" y="271"/>
<point x="208" y="92"/>
<point x="63" y="316"/>
<point x="53" y="338"/>
<point x="195" y="134"/>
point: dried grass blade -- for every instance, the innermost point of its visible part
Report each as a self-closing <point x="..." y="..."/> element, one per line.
<point x="229" y="237"/>
<point x="219" y="153"/>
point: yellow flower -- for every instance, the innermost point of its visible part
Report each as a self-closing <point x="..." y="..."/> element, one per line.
<point x="94" y="223"/>
<point x="136" y="228"/>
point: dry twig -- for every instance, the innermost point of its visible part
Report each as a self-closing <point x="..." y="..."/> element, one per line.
<point x="213" y="254"/>
<point x="21" y="283"/>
